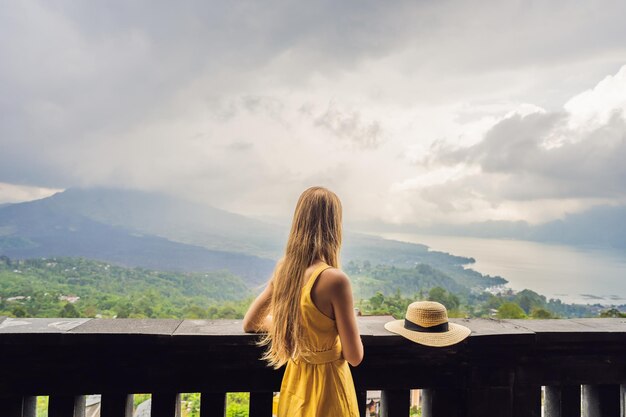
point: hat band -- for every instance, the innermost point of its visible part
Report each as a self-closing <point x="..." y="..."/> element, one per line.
<point x="439" y="328"/>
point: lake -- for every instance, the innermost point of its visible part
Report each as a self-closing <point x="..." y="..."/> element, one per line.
<point x="572" y="274"/>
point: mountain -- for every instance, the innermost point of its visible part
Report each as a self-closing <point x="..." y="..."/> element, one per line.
<point x="600" y="226"/>
<point x="156" y="231"/>
<point x="45" y="228"/>
<point x="172" y="218"/>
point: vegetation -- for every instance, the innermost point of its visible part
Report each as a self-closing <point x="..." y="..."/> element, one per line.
<point x="484" y="305"/>
<point x="49" y="287"/>
<point x="510" y="310"/>
<point x="368" y="280"/>
<point x="612" y="312"/>
<point x="75" y="287"/>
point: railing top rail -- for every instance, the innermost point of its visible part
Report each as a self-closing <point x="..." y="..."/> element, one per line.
<point x="370" y="327"/>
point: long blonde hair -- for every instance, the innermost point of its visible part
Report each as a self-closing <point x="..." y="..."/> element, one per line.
<point x="315" y="236"/>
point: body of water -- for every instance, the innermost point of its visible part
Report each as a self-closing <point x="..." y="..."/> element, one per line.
<point x="573" y="274"/>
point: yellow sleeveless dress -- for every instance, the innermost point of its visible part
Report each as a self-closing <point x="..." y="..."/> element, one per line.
<point x="318" y="384"/>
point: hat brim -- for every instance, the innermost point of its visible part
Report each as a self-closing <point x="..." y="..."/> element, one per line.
<point x="455" y="334"/>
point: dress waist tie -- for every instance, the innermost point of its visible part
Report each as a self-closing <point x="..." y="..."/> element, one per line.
<point x="323" y="356"/>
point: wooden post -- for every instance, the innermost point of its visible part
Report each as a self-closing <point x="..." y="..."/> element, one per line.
<point x="527" y="401"/>
<point x="165" y="404"/>
<point x="601" y="400"/>
<point x="29" y="408"/>
<point x="394" y="403"/>
<point x="562" y="401"/>
<point x="443" y="403"/>
<point x="361" y="397"/>
<point x="490" y="401"/>
<point x="261" y="404"/>
<point x="116" y="405"/>
<point x="66" y="406"/>
<point x="80" y="404"/>
<point x="212" y="404"/>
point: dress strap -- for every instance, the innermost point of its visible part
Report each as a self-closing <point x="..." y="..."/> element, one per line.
<point x="324" y="266"/>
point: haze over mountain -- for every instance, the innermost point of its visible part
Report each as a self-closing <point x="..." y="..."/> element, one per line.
<point x="600" y="226"/>
<point x="172" y="218"/>
<point x="135" y="228"/>
<point x="122" y="227"/>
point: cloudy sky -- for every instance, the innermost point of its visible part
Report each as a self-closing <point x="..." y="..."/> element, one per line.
<point x="413" y="112"/>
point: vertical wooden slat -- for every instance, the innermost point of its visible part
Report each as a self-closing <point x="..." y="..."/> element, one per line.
<point x="443" y="403"/>
<point x="261" y="404"/>
<point x="490" y="401"/>
<point x="601" y="400"/>
<point x="80" y="405"/>
<point x="562" y="401"/>
<point x="361" y="397"/>
<point x="427" y="399"/>
<point x="60" y="406"/>
<point x="66" y="406"/>
<point x="116" y="405"/>
<point x="11" y="406"/>
<point x="527" y="401"/>
<point x="29" y="408"/>
<point x="212" y="404"/>
<point x="622" y="400"/>
<point x="394" y="403"/>
<point x="165" y="404"/>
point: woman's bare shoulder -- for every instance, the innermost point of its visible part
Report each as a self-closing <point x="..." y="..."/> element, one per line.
<point x="335" y="279"/>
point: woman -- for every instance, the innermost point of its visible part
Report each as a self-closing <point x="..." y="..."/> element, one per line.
<point x="308" y="314"/>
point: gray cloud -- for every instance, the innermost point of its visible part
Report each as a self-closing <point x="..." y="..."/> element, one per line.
<point x="206" y="97"/>
<point x="240" y="146"/>
<point x="349" y="126"/>
<point x="516" y="164"/>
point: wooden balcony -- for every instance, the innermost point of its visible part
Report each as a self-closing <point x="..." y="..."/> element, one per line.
<point x="498" y="371"/>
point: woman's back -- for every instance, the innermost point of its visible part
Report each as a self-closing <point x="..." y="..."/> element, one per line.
<point x="319" y="383"/>
<point x="321" y="330"/>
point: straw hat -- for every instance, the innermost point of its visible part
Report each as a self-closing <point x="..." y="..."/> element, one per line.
<point x="426" y="323"/>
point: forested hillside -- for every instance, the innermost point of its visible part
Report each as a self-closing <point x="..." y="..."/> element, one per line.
<point x="74" y="287"/>
<point x="48" y="287"/>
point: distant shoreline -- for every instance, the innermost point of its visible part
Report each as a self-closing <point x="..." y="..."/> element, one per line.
<point x="517" y="260"/>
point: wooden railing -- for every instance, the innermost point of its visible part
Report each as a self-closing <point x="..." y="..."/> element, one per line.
<point x="498" y="371"/>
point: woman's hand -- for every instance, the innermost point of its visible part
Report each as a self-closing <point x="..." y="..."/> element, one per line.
<point x="257" y="318"/>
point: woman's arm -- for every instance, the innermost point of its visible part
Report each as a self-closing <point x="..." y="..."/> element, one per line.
<point x="343" y="307"/>
<point x="256" y="318"/>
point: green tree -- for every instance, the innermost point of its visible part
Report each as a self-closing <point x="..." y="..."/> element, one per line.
<point x="123" y="311"/>
<point x="90" y="311"/>
<point x="541" y="313"/>
<point x="69" y="310"/>
<point x="376" y="302"/>
<point x="442" y="296"/>
<point x="525" y="303"/>
<point x="493" y="302"/>
<point x="18" y="311"/>
<point x="612" y="312"/>
<point x="510" y="310"/>
<point x="195" y="312"/>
